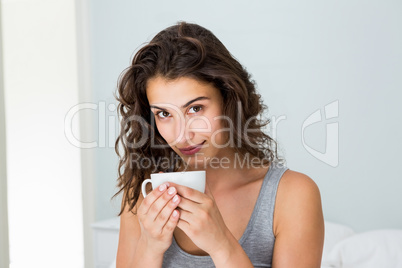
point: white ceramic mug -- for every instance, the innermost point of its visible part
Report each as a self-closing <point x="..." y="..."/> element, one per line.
<point x="192" y="179"/>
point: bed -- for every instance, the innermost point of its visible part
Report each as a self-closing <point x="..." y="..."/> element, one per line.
<point x="344" y="248"/>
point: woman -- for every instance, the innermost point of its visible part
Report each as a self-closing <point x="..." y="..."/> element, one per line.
<point x="188" y="104"/>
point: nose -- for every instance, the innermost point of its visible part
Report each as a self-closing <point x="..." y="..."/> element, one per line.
<point x="184" y="133"/>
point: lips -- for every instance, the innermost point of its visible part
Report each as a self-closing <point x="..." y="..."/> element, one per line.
<point x="190" y="150"/>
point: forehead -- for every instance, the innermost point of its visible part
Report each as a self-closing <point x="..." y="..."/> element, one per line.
<point x="179" y="91"/>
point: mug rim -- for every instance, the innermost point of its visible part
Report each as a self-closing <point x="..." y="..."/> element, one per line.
<point x="192" y="171"/>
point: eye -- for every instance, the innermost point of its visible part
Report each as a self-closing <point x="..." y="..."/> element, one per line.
<point x="162" y="114"/>
<point x="195" y="109"/>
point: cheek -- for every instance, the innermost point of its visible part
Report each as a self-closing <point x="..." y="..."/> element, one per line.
<point x="216" y="125"/>
<point x="165" y="131"/>
<point x="219" y="133"/>
<point x="201" y="124"/>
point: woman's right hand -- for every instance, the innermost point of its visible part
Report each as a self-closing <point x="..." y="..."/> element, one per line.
<point x="158" y="217"/>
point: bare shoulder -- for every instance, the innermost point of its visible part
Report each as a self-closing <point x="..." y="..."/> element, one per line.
<point x="129" y="234"/>
<point x="298" y="198"/>
<point x="293" y="180"/>
<point x="298" y="222"/>
<point x="128" y="219"/>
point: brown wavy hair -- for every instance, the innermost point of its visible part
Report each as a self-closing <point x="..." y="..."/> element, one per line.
<point x="183" y="50"/>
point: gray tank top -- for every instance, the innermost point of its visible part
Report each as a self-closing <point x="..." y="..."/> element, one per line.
<point x="257" y="240"/>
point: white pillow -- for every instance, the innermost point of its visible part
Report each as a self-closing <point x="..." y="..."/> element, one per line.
<point x="334" y="233"/>
<point x="380" y="248"/>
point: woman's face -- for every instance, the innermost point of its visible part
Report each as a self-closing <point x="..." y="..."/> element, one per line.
<point x="188" y="116"/>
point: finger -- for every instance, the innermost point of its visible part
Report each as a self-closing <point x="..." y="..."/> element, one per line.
<point x="189" y="193"/>
<point x="166" y="212"/>
<point x="151" y="198"/>
<point x="186" y="216"/>
<point x="160" y="203"/>
<point x="188" y="205"/>
<point x="172" y="222"/>
<point x="183" y="225"/>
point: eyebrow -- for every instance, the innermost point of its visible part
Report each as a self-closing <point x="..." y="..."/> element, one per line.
<point x="185" y="105"/>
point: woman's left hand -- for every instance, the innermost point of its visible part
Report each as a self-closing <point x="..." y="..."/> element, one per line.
<point x="201" y="220"/>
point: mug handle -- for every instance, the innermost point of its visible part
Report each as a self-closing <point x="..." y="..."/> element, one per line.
<point x="143" y="186"/>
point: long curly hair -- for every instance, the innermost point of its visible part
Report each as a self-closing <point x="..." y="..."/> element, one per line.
<point x="183" y="50"/>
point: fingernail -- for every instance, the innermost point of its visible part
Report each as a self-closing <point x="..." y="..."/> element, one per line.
<point x="175" y="199"/>
<point x="162" y="187"/>
<point x="171" y="190"/>
<point x="175" y="213"/>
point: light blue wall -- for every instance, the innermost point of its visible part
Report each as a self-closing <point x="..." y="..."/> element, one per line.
<point x="303" y="55"/>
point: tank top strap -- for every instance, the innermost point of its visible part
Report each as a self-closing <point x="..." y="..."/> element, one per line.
<point x="265" y="205"/>
<point x="270" y="190"/>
